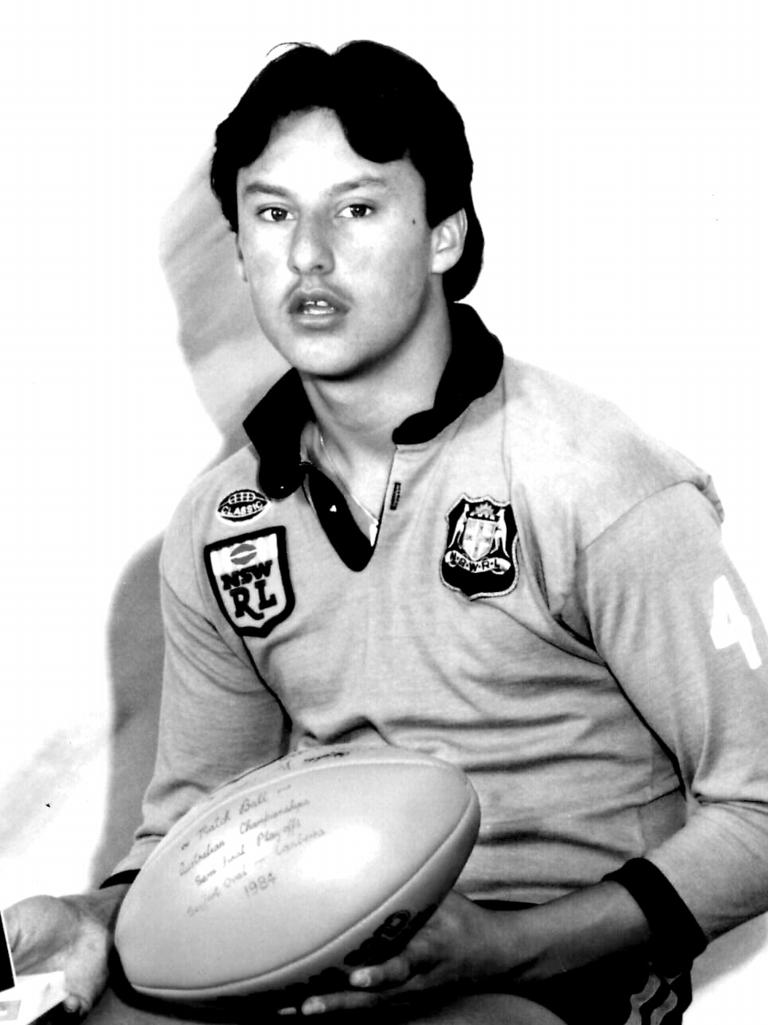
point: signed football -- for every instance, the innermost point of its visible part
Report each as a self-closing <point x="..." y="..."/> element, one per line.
<point x="318" y="862"/>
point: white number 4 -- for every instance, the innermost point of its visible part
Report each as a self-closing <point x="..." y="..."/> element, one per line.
<point x="730" y="625"/>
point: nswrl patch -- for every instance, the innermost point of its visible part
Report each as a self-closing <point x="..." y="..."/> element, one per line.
<point x="250" y="578"/>
<point x="480" y="557"/>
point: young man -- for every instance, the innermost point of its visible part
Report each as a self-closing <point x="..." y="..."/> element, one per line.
<point x="454" y="552"/>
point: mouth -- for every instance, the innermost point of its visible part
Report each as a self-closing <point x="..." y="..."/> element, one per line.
<point x="317" y="305"/>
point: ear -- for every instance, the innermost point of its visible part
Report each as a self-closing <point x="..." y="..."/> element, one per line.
<point x="240" y="264"/>
<point x="448" y="242"/>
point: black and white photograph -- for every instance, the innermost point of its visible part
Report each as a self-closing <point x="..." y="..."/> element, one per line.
<point x="385" y="569"/>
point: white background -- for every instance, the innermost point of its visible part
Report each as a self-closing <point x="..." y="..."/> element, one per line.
<point x="621" y="160"/>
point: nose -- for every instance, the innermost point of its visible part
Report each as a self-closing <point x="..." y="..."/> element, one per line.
<point x="311" y="251"/>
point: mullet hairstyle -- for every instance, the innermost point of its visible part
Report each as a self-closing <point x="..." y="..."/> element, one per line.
<point x="389" y="107"/>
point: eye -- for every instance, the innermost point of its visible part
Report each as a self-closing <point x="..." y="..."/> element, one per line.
<point x="357" y="210"/>
<point x="273" y="214"/>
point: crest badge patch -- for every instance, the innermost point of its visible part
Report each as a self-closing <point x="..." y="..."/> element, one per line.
<point x="480" y="557"/>
<point x="241" y="505"/>
<point x="249" y="576"/>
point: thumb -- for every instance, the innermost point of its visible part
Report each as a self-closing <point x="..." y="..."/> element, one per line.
<point x="75" y="1005"/>
<point x="83" y="990"/>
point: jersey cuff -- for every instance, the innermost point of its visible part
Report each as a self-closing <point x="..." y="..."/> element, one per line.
<point x="676" y="936"/>
<point x="119" y="878"/>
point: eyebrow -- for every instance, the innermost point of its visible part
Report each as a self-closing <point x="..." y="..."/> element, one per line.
<point x="268" y="189"/>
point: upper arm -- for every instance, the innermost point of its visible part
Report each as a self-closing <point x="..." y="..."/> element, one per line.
<point x="218" y="717"/>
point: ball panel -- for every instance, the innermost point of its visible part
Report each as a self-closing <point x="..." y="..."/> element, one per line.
<point x="282" y="873"/>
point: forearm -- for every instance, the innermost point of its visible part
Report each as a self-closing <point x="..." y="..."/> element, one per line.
<point x="567" y="933"/>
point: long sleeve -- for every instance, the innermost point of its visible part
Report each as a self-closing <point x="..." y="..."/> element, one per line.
<point x="217" y="717"/>
<point x="673" y="621"/>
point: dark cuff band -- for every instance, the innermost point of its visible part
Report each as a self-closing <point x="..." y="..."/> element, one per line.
<point x="676" y="936"/>
<point x="119" y="878"/>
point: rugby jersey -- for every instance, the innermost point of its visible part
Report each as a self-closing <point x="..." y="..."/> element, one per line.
<point x="547" y="605"/>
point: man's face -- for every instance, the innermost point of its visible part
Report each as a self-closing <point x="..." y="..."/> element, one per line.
<point x="339" y="259"/>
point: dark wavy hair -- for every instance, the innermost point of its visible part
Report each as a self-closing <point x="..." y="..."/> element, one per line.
<point x="389" y="107"/>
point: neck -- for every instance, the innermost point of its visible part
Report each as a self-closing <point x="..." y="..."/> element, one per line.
<point x="357" y="416"/>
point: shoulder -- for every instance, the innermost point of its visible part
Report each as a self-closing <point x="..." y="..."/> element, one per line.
<point x="226" y="494"/>
<point x="578" y="457"/>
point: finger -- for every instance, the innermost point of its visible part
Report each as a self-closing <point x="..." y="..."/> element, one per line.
<point x="74" y="1005"/>
<point x="349" y="1001"/>
<point x="78" y="1001"/>
<point x="84" y="985"/>
<point x="390" y="973"/>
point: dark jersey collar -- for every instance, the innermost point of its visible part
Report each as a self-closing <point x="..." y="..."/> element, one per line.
<point x="276" y="424"/>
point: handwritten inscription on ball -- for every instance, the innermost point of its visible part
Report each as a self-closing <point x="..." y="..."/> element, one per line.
<point x="287" y="870"/>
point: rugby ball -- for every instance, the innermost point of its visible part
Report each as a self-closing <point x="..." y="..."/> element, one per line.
<point x="314" y="864"/>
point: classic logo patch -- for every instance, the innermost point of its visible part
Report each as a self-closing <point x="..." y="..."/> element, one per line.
<point x="249" y="576"/>
<point x="480" y="557"/>
<point x="242" y="505"/>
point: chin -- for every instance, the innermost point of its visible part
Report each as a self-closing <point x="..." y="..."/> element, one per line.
<point x="330" y="371"/>
<point x="324" y="358"/>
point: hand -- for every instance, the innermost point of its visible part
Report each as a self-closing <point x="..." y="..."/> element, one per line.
<point x="456" y="944"/>
<point x="463" y="942"/>
<point x="69" y="934"/>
